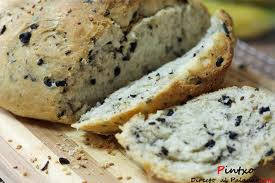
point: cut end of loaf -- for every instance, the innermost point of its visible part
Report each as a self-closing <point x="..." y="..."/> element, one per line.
<point x="199" y="71"/>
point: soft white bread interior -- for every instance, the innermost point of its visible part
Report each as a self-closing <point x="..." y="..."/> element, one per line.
<point x="233" y="127"/>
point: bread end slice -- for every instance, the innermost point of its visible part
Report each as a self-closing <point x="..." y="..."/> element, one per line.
<point x="201" y="70"/>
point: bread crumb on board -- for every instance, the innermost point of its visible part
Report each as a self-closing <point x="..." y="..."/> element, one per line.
<point x="25" y="174"/>
<point x="107" y="165"/>
<point x="18" y="147"/>
<point x="33" y="160"/>
<point x="119" y="178"/>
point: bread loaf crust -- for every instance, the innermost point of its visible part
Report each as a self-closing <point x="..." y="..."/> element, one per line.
<point x="58" y="58"/>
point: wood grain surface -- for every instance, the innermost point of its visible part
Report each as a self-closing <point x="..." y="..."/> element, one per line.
<point x="30" y="149"/>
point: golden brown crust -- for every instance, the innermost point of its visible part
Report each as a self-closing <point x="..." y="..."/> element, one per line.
<point x="81" y="22"/>
<point x="211" y="78"/>
<point x="17" y="17"/>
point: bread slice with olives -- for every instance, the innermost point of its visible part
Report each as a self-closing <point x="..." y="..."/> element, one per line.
<point x="201" y="70"/>
<point x="233" y="127"/>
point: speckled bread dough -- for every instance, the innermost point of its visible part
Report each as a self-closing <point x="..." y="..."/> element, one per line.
<point x="60" y="57"/>
<point x="200" y="70"/>
<point x="234" y="127"/>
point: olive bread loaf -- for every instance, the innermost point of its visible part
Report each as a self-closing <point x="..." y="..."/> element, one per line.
<point x="59" y="57"/>
<point x="227" y="129"/>
<point x="201" y="70"/>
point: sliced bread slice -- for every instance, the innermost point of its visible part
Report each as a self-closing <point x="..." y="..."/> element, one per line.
<point x="224" y="130"/>
<point x="201" y="70"/>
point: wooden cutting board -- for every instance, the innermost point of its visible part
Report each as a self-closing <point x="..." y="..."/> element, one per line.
<point x="30" y="149"/>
